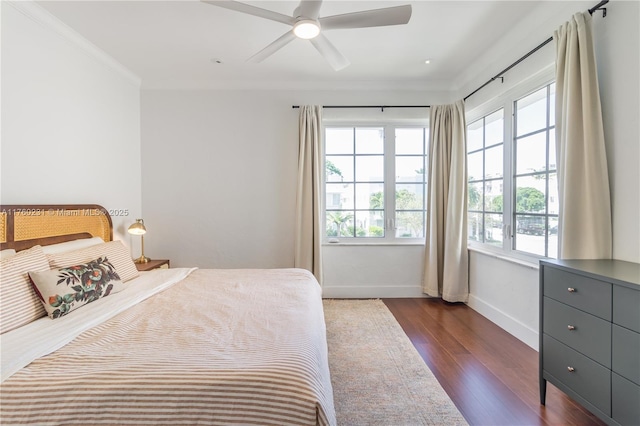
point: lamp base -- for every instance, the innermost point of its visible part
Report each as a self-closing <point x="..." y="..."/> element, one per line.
<point x="142" y="259"/>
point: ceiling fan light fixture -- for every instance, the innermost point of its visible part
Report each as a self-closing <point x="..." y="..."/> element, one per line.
<point x="307" y="23"/>
<point x="306" y="29"/>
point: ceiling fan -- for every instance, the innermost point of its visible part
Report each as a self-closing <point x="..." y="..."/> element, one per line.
<point x="307" y="24"/>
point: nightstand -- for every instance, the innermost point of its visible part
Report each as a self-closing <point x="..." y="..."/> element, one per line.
<point x="153" y="264"/>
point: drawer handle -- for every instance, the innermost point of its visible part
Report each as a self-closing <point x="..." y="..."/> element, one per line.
<point x="571" y="369"/>
<point x="571" y="290"/>
<point x="571" y="327"/>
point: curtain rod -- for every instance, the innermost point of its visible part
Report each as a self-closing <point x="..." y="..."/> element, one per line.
<point x="500" y="75"/>
<point x="382" y="107"/>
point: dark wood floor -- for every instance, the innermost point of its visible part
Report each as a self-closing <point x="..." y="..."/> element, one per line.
<point x="491" y="376"/>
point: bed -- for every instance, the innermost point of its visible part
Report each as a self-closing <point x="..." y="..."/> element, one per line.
<point x="175" y="346"/>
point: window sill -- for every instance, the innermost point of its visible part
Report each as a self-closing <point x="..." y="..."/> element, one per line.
<point x="518" y="261"/>
<point x="373" y="244"/>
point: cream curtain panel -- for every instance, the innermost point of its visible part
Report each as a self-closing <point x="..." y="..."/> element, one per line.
<point x="309" y="196"/>
<point x="446" y="260"/>
<point x="584" y="228"/>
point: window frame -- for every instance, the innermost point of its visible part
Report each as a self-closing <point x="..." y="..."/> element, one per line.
<point x="389" y="155"/>
<point x="507" y="100"/>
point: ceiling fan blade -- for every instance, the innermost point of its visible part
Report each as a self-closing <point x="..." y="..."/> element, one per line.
<point x="396" y="15"/>
<point x="252" y="10"/>
<point x="309" y="9"/>
<point x="329" y="52"/>
<point x="285" y="39"/>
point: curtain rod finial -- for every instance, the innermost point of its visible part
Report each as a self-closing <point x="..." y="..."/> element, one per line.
<point x="600" y="7"/>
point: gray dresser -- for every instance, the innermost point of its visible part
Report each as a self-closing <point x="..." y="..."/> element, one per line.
<point x="590" y="335"/>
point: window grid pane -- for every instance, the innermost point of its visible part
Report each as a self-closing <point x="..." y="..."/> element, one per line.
<point x="531" y="112"/>
<point x="493" y="229"/>
<point x="476" y="227"/>
<point x="410" y="224"/>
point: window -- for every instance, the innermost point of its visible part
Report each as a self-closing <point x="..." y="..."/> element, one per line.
<point x="520" y="213"/>
<point x="363" y="165"/>
<point x="410" y="182"/>
<point x="536" y="189"/>
<point x="485" y="172"/>
<point x="355" y="182"/>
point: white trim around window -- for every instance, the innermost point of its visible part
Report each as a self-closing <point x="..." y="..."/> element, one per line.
<point x="508" y="241"/>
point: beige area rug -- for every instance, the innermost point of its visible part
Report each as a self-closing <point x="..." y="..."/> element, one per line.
<point x="378" y="376"/>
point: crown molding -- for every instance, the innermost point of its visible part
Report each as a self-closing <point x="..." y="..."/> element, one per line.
<point x="42" y="17"/>
<point x="342" y="85"/>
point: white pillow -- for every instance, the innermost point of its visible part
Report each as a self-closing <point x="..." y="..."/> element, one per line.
<point x="72" y="245"/>
<point x="114" y="251"/>
<point x="7" y="253"/>
<point x="19" y="304"/>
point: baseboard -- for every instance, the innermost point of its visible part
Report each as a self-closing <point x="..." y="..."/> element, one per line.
<point x="367" y="292"/>
<point x="506" y="322"/>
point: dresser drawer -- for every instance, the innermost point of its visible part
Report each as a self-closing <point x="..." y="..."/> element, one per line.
<point x="625" y="396"/>
<point x="585" y="333"/>
<point x="587" y="294"/>
<point x="626" y="354"/>
<point x="588" y="379"/>
<point x="626" y="307"/>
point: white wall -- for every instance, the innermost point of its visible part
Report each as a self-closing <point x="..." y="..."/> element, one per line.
<point x="352" y="271"/>
<point x="617" y="45"/>
<point x="508" y="292"/>
<point x="70" y="118"/>
<point x="219" y="173"/>
<point x="219" y="181"/>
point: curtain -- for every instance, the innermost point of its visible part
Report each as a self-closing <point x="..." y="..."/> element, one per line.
<point x="309" y="195"/>
<point x="446" y="260"/>
<point x="584" y="226"/>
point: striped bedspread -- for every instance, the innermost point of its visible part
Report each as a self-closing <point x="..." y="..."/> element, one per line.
<point x="220" y="347"/>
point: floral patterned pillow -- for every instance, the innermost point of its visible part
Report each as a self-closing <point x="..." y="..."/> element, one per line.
<point x="64" y="290"/>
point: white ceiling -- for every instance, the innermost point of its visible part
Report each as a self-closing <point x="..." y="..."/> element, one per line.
<point x="173" y="43"/>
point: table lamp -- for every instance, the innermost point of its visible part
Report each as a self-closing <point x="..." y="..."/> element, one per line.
<point x="138" y="228"/>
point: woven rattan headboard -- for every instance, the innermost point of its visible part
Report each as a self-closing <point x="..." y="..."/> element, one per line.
<point x="23" y="226"/>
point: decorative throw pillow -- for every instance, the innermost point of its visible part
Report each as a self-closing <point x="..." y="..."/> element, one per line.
<point x="64" y="290"/>
<point x="19" y="305"/>
<point x="115" y="251"/>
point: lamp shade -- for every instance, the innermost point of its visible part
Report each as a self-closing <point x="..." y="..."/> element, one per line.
<point x="137" y="228"/>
